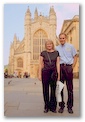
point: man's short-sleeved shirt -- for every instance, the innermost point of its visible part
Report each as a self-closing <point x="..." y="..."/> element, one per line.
<point x="53" y="56"/>
<point x="67" y="53"/>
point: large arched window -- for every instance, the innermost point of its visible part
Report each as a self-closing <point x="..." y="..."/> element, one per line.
<point x="39" y="39"/>
<point x="19" y="62"/>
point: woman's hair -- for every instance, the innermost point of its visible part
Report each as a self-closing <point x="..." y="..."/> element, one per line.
<point x="49" y="41"/>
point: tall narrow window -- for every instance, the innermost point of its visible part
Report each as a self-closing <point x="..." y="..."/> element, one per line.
<point x="38" y="43"/>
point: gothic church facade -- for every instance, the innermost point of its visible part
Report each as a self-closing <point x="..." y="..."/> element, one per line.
<point x="24" y="55"/>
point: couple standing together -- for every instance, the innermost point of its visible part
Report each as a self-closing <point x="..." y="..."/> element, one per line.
<point x="60" y="60"/>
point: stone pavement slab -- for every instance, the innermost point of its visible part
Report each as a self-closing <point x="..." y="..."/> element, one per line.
<point x="23" y="98"/>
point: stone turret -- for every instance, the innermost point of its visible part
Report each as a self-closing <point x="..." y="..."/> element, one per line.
<point x="15" y="42"/>
<point x="52" y="24"/>
<point x="36" y="14"/>
<point x="52" y="16"/>
<point x="27" y="40"/>
<point x="27" y="20"/>
<point x="27" y="29"/>
<point x="27" y="17"/>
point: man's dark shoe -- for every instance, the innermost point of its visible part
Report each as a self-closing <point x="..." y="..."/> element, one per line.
<point x="70" y="110"/>
<point x="61" y="110"/>
<point x="54" y="111"/>
<point x="46" y="110"/>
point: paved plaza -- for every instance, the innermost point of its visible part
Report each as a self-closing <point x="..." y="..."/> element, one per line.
<point x="23" y="98"/>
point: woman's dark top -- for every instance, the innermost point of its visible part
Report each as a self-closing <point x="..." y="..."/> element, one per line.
<point x="53" y="56"/>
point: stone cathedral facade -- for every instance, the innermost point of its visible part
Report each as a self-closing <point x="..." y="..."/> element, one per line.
<point x="24" y="55"/>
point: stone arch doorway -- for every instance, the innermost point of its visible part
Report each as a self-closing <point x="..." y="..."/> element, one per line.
<point x="19" y="73"/>
<point x="19" y="67"/>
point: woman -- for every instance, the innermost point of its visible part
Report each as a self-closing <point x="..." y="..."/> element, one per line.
<point x="49" y="63"/>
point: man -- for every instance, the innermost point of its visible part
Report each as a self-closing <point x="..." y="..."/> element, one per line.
<point x="68" y="59"/>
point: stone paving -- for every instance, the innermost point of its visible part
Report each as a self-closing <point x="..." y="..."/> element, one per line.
<point x="23" y="98"/>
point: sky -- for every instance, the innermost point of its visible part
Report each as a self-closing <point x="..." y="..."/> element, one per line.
<point x="14" y="15"/>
